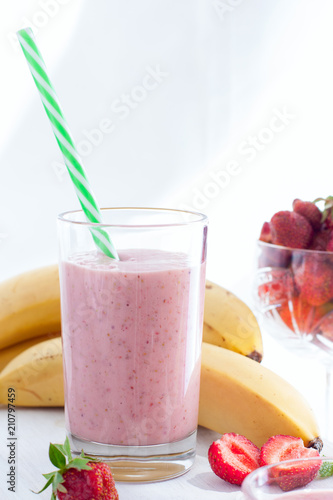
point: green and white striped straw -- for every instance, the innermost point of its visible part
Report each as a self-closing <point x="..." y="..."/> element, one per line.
<point x="63" y="136"/>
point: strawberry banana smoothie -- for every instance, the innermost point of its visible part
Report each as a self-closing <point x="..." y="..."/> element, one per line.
<point x="131" y="341"/>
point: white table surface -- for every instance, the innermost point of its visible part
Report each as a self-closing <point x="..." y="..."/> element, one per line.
<point x="37" y="427"/>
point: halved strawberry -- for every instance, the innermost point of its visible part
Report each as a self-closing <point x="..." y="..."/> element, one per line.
<point x="280" y="448"/>
<point x="233" y="457"/>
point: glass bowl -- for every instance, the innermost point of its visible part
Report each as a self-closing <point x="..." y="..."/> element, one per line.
<point x="269" y="482"/>
<point x="294" y="294"/>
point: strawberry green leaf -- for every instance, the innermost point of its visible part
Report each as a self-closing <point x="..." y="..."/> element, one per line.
<point x="324" y="216"/>
<point x="50" y="481"/>
<point x="57" y="456"/>
<point x="49" y="474"/>
<point x="326" y="469"/>
<point x="61" y="449"/>
<point x="62" y="488"/>
<point x="67" y="449"/>
<point x="80" y="463"/>
<point x="91" y="459"/>
<point x="58" y="479"/>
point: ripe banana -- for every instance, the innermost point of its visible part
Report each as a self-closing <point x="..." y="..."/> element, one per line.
<point x="29" y="306"/>
<point x="239" y="395"/>
<point x="229" y="323"/>
<point x="36" y="375"/>
<point x="9" y="353"/>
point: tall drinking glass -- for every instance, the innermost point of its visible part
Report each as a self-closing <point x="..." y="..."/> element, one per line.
<point x="131" y="333"/>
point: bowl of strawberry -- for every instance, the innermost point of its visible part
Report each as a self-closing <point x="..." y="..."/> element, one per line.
<point x="294" y="278"/>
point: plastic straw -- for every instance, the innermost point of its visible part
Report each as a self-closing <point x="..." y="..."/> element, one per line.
<point x="64" y="139"/>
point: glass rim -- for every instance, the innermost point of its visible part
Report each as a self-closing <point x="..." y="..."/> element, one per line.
<point x="199" y="217"/>
<point x="281" y="247"/>
<point x="249" y="486"/>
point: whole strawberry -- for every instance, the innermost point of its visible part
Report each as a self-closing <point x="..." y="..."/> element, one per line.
<point x="329" y="246"/>
<point x="314" y="279"/>
<point x="310" y="211"/>
<point x="265" y="234"/>
<point x="321" y="240"/>
<point x="80" y="478"/>
<point x="233" y="457"/>
<point x="280" y="448"/>
<point x="277" y="287"/>
<point x="290" y="229"/>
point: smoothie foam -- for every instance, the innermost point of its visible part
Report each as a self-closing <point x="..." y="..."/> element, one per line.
<point x="132" y="366"/>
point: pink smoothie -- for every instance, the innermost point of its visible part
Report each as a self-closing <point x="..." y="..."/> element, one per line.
<point x="131" y="341"/>
<point x="307" y="495"/>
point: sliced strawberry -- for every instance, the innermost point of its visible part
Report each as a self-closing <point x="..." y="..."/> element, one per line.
<point x="233" y="457"/>
<point x="280" y="448"/>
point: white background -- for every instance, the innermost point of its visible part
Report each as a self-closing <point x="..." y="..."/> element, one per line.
<point x="230" y="68"/>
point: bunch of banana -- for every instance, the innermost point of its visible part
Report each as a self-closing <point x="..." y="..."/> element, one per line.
<point x="30" y="308"/>
<point x="237" y="394"/>
<point x="230" y="323"/>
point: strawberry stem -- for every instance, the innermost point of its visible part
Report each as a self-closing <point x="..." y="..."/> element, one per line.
<point x="61" y="457"/>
